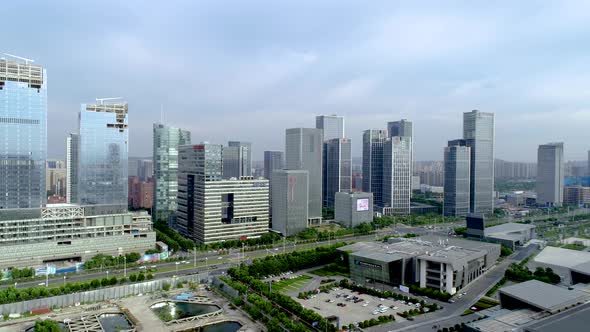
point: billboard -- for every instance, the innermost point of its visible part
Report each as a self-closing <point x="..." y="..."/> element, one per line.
<point x="362" y="204"/>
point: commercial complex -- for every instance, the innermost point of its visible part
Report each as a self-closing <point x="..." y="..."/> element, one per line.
<point x="457" y="165"/>
<point x="576" y="195"/>
<point x="23" y="134"/>
<point x="212" y="209"/>
<point x="397" y="176"/>
<point x="572" y="265"/>
<point x="337" y="169"/>
<point x="353" y="209"/>
<point x="103" y="153"/>
<point x="478" y="133"/>
<point x="304" y="151"/>
<point x="290" y="192"/>
<point x="237" y="160"/>
<point x="373" y="141"/>
<point x="550" y="174"/>
<point x="69" y="232"/>
<point x="446" y="264"/>
<point x="165" y="154"/>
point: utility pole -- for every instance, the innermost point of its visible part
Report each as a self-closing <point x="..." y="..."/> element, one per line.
<point x="46" y="275"/>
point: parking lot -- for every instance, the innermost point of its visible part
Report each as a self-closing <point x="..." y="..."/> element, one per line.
<point x="353" y="311"/>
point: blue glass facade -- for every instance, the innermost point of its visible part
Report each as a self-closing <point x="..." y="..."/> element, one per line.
<point x="103" y="154"/>
<point x="23" y="135"/>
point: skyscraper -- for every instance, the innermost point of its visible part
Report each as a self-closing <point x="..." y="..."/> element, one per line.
<point x="397" y="176"/>
<point x="402" y="128"/>
<point x="289" y="201"/>
<point x="72" y="159"/>
<point x="457" y="162"/>
<point x="212" y="209"/>
<point x="550" y="174"/>
<point x="237" y="160"/>
<point x="332" y="126"/>
<point x="273" y="160"/>
<point x="478" y="133"/>
<point x="338" y="169"/>
<point x="373" y="140"/>
<point x="303" y="151"/>
<point x="166" y="143"/>
<point x="196" y="164"/>
<point x="103" y="153"/>
<point x="23" y="134"/>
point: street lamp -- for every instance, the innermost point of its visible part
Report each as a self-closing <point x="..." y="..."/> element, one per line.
<point x="64" y="280"/>
<point x="125" y="266"/>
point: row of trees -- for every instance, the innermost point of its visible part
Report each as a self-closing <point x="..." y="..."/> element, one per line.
<point x="176" y="242"/>
<point x="520" y="273"/>
<point x="46" y="325"/>
<point x="11" y="294"/>
<point x="22" y="273"/>
<point x="102" y="261"/>
<point x="430" y="292"/>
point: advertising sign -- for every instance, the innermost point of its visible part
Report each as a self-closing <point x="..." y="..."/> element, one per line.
<point x="362" y="204"/>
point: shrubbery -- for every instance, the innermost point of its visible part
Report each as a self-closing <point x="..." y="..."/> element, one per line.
<point x="430" y="292"/>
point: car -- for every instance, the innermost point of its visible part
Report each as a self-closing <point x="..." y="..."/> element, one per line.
<point x="153" y="266"/>
<point x="41" y="284"/>
<point x="381" y="299"/>
<point x="451" y="301"/>
<point x="219" y="257"/>
<point x="410" y="318"/>
<point x="332" y="301"/>
<point x="394" y="308"/>
<point x="142" y="267"/>
<point x="365" y="304"/>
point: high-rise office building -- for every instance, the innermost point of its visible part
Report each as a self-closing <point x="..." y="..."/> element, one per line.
<point x="55" y="178"/>
<point x="23" y="134"/>
<point x="212" y="209"/>
<point x="402" y="128"/>
<point x="166" y="144"/>
<point x="72" y="159"/>
<point x="196" y="164"/>
<point x="550" y="174"/>
<point x="273" y="160"/>
<point x="514" y="170"/>
<point x="397" y="176"/>
<point x="332" y="126"/>
<point x="457" y="161"/>
<point x="478" y="133"/>
<point x="588" y="165"/>
<point x="373" y="140"/>
<point x="289" y="201"/>
<point x="237" y="160"/>
<point x="145" y="169"/>
<point x="338" y="169"/>
<point x="103" y="154"/>
<point x="304" y="151"/>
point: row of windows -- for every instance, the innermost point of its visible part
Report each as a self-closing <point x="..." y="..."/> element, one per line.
<point x="19" y="121"/>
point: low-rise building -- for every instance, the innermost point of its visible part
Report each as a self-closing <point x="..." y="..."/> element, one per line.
<point x="510" y="234"/>
<point x="576" y="195"/>
<point x="444" y="264"/>
<point x="540" y="296"/>
<point x="353" y="209"/>
<point x="69" y="232"/>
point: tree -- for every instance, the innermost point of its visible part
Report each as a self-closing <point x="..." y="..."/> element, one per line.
<point x="46" y="326"/>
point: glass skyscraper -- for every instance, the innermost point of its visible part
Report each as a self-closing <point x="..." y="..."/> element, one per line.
<point x="332" y="125"/>
<point x="397" y="176"/>
<point x="23" y="134"/>
<point x="338" y="169"/>
<point x="166" y="142"/>
<point x="373" y="140"/>
<point x="103" y="155"/>
<point x="550" y="174"/>
<point x="457" y="179"/>
<point x="478" y="133"/>
<point x="237" y="160"/>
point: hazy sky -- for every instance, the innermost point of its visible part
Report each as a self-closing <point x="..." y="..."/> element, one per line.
<point x="247" y="70"/>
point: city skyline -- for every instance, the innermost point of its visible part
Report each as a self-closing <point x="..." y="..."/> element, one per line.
<point x="281" y="75"/>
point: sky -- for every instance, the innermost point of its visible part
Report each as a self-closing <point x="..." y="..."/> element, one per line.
<point x="247" y="70"/>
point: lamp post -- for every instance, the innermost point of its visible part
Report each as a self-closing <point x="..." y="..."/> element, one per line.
<point x="207" y="267"/>
<point x="195" y="257"/>
<point x="177" y="263"/>
<point x="64" y="280"/>
<point x="125" y="266"/>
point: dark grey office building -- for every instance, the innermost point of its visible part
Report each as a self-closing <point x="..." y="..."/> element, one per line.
<point x="289" y="201"/>
<point x="237" y="160"/>
<point x="273" y="160"/>
<point x="304" y="151"/>
<point x="478" y="133"/>
<point x="373" y="140"/>
<point x="550" y="174"/>
<point x="338" y="169"/>
<point x="456" y="179"/>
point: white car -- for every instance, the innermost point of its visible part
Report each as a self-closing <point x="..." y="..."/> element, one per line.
<point x="219" y="257"/>
<point x="41" y="284"/>
<point x="365" y="304"/>
<point x="142" y="267"/>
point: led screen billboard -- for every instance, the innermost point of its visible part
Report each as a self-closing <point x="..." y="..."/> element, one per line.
<point x="362" y="204"/>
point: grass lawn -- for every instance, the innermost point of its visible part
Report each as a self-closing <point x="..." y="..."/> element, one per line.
<point x="290" y="284"/>
<point x="330" y="270"/>
<point x="574" y="246"/>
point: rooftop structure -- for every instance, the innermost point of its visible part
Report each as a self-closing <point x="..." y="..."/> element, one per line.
<point x="575" y="319"/>
<point x="540" y="296"/>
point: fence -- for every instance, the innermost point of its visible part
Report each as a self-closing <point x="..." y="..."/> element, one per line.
<point x="97" y="295"/>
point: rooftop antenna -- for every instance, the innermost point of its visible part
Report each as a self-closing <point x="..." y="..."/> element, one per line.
<point x="20" y="57"/>
<point x="101" y="100"/>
